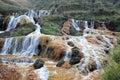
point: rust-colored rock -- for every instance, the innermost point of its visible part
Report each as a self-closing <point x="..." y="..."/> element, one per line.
<point x="8" y="73"/>
<point x="5" y="22"/>
<point x="31" y="76"/>
<point x="91" y="39"/>
<point x="53" y="47"/>
<point x="58" y="50"/>
<point x="24" y="21"/>
<point x="66" y="27"/>
<point x="66" y="65"/>
<point x="1" y="43"/>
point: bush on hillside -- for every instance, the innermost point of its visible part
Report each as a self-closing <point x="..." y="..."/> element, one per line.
<point x="112" y="72"/>
<point x="116" y="53"/>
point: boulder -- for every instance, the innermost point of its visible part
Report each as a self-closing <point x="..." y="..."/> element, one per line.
<point x="38" y="63"/>
<point x="23" y="20"/>
<point x="76" y="56"/>
<point x="1" y="43"/>
<point x="67" y="65"/>
<point x="66" y="27"/>
<point x="60" y="63"/>
<point x="92" y="65"/>
<point x="74" y="32"/>
<point x="70" y="43"/>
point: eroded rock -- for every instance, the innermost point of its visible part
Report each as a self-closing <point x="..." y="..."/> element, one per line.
<point x="76" y="56"/>
<point x="38" y="63"/>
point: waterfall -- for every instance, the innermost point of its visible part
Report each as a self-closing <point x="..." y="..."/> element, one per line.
<point x="23" y="47"/>
<point x="27" y="46"/>
<point x="31" y="48"/>
<point x="7" y="46"/>
<point x="86" y="24"/>
<point x="92" y="53"/>
<point x="10" y="24"/>
<point x="14" y="21"/>
<point x="76" y="24"/>
<point x="68" y="54"/>
<point x="38" y="13"/>
<point x="42" y="73"/>
<point x="15" y="60"/>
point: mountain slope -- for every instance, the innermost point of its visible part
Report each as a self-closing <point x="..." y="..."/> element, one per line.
<point x="9" y="6"/>
<point x="79" y="9"/>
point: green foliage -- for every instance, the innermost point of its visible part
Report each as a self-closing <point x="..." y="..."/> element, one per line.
<point x="112" y="72"/>
<point x="116" y="53"/>
<point x="52" y="25"/>
<point x="5" y="8"/>
<point x="23" y="30"/>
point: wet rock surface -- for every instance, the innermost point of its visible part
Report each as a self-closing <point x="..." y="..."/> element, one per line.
<point x="38" y="63"/>
<point x="76" y="56"/>
<point x="8" y="73"/>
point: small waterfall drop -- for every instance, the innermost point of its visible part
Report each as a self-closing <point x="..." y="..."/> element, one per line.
<point x="43" y="73"/>
<point x="86" y="24"/>
<point x="68" y="54"/>
<point x="14" y="21"/>
<point x="76" y="24"/>
<point x="28" y="15"/>
<point x="86" y="30"/>
<point x="10" y="24"/>
<point x="23" y="47"/>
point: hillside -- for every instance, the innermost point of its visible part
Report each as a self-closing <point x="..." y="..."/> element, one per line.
<point x="97" y="10"/>
<point x="9" y="6"/>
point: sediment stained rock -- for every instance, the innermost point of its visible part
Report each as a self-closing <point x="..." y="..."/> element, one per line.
<point x="2" y="40"/>
<point x="8" y="73"/>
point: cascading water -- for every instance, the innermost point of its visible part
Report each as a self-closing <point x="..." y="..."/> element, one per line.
<point x="86" y="24"/>
<point x="38" y="13"/>
<point x="28" y="45"/>
<point x="68" y="54"/>
<point x="10" y="24"/>
<point x="28" y="15"/>
<point x="76" y="24"/>
<point x="92" y="54"/>
<point x="14" y="21"/>
<point x="86" y="28"/>
<point x="23" y="47"/>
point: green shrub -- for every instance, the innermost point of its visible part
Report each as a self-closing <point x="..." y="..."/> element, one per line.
<point x="112" y="72"/>
<point x="23" y="30"/>
<point x="116" y="53"/>
<point x="52" y="25"/>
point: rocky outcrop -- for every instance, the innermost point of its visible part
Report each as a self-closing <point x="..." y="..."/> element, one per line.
<point x="5" y="22"/>
<point x="2" y="40"/>
<point x="24" y="20"/>
<point x="16" y="22"/>
<point x="8" y="73"/>
<point x="66" y="27"/>
<point x="60" y="63"/>
<point x="52" y="47"/>
<point x="74" y="32"/>
<point x="38" y="63"/>
<point x="76" y="56"/>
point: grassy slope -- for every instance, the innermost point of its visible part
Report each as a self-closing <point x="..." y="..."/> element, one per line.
<point x="9" y="6"/>
<point x="79" y="9"/>
<point x="112" y="71"/>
